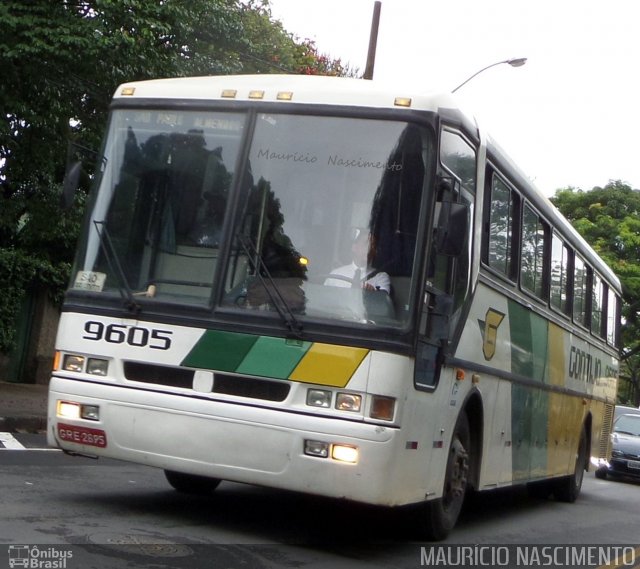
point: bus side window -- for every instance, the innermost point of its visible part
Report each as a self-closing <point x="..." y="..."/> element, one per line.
<point x="580" y="281"/>
<point x="501" y="212"/>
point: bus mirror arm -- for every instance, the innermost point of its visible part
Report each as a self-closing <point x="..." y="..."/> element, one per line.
<point x="436" y="314"/>
<point x="439" y="314"/>
<point x="452" y="228"/>
<point x="75" y="174"/>
<point x="70" y="184"/>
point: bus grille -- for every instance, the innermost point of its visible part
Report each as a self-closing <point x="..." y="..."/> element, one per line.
<point x="606" y="431"/>
<point x="237" y="385"/>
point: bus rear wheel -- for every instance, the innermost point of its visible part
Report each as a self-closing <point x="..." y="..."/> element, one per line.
<point x="567" y="489"/>
<point x="442" y="514"/>
<point x="191" y="483"/>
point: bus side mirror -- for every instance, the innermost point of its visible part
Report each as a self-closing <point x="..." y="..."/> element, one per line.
<point x="452" y="229"/>
<point x="70" y="184"/>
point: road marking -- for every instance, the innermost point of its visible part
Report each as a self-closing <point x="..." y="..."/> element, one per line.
<point x="9" y="442"/>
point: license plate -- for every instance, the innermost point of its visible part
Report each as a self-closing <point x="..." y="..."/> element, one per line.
<point x="82" y="435"/>
<point x="635" y="464"/>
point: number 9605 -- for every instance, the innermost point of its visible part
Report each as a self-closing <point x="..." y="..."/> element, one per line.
<point x="132" y="335"/>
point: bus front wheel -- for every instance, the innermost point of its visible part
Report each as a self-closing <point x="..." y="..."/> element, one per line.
<point x="442" y="514"/>
<point x="191" y="483"/>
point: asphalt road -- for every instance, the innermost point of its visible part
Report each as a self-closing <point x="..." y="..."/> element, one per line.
<point x="106" y="513"/>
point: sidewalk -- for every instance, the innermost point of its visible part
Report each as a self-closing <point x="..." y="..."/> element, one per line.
<point x="23" y="407"/>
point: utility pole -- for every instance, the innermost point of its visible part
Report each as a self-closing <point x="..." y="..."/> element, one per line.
<point x="373" y="41"/>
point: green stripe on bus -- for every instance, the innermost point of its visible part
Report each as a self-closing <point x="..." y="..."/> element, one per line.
<point x="273" y="357"/>
<point x="528" y="342"/>
<point x="223" y="351"/>
<point x="529" y="405"/>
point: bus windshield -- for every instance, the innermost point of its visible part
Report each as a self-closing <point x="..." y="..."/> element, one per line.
<point x="313" y="217"/>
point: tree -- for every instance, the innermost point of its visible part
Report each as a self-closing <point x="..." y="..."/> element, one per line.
<point x="62" y="60"/>
<point x="609" y="219"/>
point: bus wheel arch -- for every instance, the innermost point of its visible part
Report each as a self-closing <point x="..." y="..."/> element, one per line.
<point x="567" y="488"/>
<point x="438" y="517"/>
<point x="475" y="415"/>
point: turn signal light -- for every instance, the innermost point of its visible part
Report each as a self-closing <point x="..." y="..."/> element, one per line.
<point x="382" y="407"/>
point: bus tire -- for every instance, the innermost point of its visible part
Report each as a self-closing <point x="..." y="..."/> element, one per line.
<point x="601" y="473"/>
<point x="540" y="490"/>
<point x="191" y="483"/>
<point x="441" y="515"/>
<point x="567" y="488"/>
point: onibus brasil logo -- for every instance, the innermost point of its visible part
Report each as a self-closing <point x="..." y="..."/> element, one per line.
<point x="34" y="557"/>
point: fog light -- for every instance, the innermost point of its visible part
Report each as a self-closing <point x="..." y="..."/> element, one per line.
<point x="382" y="407"/>
<point x="90" y="412"/>
<point x="348" y="402"/>
<point x="73" y="363"/>
<point x="68" y="410"/>
<point x="344" y="453"/>
<point x="97" y="367"/>
<point x="316" y="448"/>
<point x="319" y="398"/>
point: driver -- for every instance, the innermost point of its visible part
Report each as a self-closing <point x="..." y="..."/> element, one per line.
<point x="359" y="273"/>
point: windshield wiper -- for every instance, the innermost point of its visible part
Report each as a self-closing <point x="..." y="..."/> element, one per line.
<point x="110" y="253"/>
<point x="278" y="300"/>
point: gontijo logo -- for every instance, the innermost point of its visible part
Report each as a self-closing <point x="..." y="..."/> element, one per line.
<point x="34" y="557"/>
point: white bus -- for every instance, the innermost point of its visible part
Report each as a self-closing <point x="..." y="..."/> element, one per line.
<point x="208" y="332"/>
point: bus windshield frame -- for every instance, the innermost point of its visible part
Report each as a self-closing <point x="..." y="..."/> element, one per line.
<point x="259" y="216"/>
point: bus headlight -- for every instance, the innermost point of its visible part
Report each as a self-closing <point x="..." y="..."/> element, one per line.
<point x="344" y="453"/>
<point x="316" y="448"/>
<point x="73" y="363"/>
<point x="90" y="412"/>
<point x="97" y="367"/>
<point x="319" y="398"/>
<point x="348" y="402"/>
<point x="71" y="410"/>
<point x="68" y="410"/>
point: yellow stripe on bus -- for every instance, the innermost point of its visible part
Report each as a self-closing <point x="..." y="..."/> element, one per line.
<point x="327" y="364"/>
<point x="557" y="463"/>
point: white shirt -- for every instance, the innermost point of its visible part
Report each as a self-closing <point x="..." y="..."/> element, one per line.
<point x="379" y="281"/>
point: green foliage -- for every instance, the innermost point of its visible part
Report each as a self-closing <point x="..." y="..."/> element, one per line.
<point x="24" y="273"/>
<point x="269" y="48"/>
<point x="609" y="219"/>
<point x="61" y="62"/>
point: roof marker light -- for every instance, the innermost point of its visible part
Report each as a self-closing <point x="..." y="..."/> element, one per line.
<point x="256" y="94"/>
<point x="127" y="91"/>
<point x="229" y="93"/>
<point x="284" y="96"/>
<point x="402" y="102"/>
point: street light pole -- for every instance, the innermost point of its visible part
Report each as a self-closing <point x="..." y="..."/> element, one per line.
<point x="514" y="62"/>
<point x="373" y="41"/>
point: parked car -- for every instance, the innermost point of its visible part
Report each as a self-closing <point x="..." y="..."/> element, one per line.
<point x="624" y="410"/>
<point x="625" y="453"/>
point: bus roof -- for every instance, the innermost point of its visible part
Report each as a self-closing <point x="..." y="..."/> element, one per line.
<point x="308" y="89"/>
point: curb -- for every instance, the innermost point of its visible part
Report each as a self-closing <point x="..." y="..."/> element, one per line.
<point x="23" y="424"/>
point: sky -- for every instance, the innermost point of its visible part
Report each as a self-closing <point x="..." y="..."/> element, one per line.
<point x="569" y="117"/>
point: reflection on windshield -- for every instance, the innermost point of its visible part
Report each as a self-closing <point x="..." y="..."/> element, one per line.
<point x="162" y="199"/>
<point x="333" y="214"/>
<point x="628" y="424"/>
<point x="325" y="227"/>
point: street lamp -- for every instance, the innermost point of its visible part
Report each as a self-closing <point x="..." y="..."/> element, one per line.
<point x="514" y="62"/>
